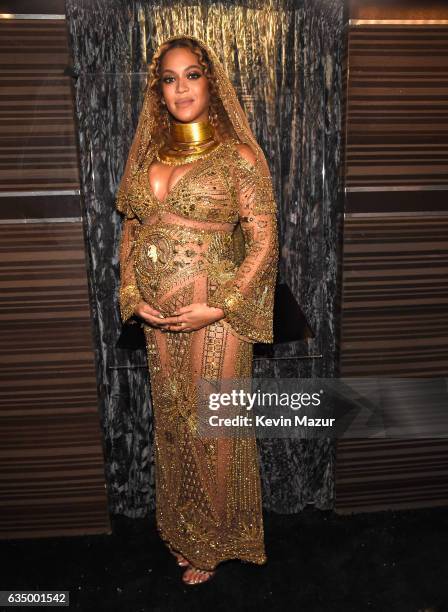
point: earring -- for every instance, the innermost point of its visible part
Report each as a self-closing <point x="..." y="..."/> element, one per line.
<point x="213" y="118"/>
<point x="165" y="119"/>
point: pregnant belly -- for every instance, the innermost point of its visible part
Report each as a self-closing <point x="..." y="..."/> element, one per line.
<point x="168" y="256"/>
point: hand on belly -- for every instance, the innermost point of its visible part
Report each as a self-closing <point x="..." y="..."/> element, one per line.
<point x="192" y="317"/>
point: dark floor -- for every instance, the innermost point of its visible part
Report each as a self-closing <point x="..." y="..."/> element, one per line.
<point x="317" y="561"/>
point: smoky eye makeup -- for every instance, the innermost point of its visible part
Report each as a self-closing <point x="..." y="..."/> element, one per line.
<point x="193" y="75"/>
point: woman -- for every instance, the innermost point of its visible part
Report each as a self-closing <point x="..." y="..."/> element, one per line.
<point x="198" y="264"/>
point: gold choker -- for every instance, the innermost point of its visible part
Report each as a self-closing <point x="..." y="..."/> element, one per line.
<point x="188" y="142"/>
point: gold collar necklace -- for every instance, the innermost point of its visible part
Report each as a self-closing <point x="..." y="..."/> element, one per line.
<point x="188" y="142"/>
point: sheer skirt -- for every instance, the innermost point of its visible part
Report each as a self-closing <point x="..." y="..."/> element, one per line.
<point x="208" y="496"/>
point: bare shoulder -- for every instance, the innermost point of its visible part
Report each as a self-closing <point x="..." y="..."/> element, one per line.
<point x="246" y="152"/>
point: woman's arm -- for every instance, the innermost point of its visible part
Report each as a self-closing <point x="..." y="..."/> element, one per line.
<point x="248" y="298"/>
<point x="129" y="294"/>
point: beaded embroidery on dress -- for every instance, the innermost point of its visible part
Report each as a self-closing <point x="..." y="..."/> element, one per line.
<point x="212" y="239"/>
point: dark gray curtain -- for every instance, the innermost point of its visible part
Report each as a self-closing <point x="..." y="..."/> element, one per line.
<point x="284" y="58"/>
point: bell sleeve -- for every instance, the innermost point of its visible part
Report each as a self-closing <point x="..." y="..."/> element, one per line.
<point x="247" y="299"/>
<point x="129" y="294"/>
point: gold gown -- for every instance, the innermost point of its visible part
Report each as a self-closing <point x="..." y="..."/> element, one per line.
<point x="212" y="239"/>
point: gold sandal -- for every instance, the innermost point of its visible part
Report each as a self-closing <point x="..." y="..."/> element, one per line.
<point x="181" y="560"/>
<point x="195" y="575"/>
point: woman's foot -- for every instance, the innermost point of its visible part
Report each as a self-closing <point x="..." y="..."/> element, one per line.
<point x="195" y="575"/>
<point x="181" y="561"/>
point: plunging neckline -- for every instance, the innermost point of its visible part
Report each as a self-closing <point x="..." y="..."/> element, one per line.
<point x="183" y="178"/>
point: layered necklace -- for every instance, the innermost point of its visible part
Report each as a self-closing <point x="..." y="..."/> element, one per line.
<point x="188" y="142"/>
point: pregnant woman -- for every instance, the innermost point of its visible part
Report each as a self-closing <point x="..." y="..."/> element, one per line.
<point x="198" y="265"/>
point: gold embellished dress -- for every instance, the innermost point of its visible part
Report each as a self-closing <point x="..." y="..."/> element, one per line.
<point x="212" y="239"/>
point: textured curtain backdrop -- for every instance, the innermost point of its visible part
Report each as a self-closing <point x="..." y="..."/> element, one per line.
<point x="284" y="59"/>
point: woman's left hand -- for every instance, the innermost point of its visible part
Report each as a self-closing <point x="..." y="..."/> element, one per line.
<point x="191" y="317"/>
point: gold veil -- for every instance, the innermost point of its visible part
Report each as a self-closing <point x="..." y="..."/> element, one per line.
<point x="144" y="134"/>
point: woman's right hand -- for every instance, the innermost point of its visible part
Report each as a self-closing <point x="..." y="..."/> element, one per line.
<point x="148" y="314"/>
